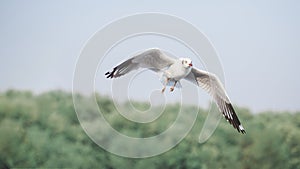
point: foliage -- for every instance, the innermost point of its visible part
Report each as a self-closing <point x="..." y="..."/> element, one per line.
<point x="43" y="131"/>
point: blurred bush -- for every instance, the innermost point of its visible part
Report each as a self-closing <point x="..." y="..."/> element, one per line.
<point x="43" y="131"/>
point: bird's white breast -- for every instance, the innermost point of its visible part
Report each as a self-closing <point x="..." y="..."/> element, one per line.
<point x="177" y="71"/>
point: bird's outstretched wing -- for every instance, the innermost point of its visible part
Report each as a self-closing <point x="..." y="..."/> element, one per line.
<point x="153" y="59"/>
<point x="210" y="83"/>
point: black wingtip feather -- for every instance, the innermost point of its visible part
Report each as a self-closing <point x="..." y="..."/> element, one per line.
<point x="235" y="122"/>
<point x="111" y="74"/>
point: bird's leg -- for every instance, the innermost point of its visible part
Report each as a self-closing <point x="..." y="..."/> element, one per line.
<point x="164" y="88"/>
<point x="172" y="88"/>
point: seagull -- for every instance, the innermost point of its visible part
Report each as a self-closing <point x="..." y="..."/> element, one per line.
<point x="172" y="70"/>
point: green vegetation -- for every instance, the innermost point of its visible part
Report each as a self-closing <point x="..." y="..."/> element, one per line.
<point x="43" y="131"/>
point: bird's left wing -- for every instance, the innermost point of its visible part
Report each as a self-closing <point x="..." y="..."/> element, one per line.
<point x="211" y="83"/>
<point x="153" y="59"/>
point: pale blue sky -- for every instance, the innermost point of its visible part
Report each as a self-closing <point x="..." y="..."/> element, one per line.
<point x="257" y="42"/>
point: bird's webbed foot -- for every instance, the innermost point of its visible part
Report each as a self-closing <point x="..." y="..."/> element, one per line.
<point x="163" y="89"/>
<point x="172" y="89"/>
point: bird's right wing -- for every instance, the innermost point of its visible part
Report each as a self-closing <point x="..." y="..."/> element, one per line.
<point x="153" y="59"/>
<point x="211" y="83"/>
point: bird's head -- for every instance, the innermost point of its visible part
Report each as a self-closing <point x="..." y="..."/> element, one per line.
<point x="186" y="62"/>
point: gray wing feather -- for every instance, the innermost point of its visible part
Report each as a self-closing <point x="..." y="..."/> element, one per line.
<point x="153" y="59"/>
<point x="211" y="83"/>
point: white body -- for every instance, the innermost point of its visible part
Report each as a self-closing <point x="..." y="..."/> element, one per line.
<point x="176" y="71"/>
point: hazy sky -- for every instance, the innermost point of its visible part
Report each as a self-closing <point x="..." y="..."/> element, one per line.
<point x="257" y="42"/>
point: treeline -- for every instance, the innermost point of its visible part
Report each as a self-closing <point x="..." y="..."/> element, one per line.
<point x="42" y="131"/>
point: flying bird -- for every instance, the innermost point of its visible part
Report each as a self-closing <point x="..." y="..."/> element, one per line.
<point x="172" y="70"/>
